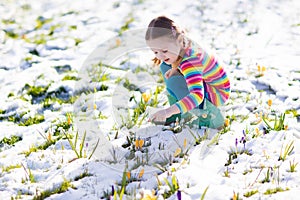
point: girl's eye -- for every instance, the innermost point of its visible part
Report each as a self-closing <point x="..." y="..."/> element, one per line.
<point x="165" y="51"/>
<point x="155" y="52"/>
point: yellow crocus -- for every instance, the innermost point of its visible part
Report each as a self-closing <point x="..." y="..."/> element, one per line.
<point x="270" y="102"/>
<point x="146" y="97"/>
<point x="226" y="122"/>
<point x="141" y="173"/>
<point x="128" y="174"/>
<point x="177" y="152"/>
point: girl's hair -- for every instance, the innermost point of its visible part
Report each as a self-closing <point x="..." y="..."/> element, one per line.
<point x="162" y="26"/>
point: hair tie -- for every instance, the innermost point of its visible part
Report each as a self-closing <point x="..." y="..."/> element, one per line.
<point x="173" y="31"/>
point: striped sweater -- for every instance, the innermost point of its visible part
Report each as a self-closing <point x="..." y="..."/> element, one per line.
<point x="198" y="66"/>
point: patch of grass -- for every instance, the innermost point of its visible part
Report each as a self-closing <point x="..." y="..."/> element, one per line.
<point x="69" y="77"/>
<point x="293" y="111"/>
<point x="173" y="186"/>
<point x="288" y="150"/>
<point x="49" y="141"/>
<point x="129" y="86"/>
<point x="18" y="119"/>
<point x="63" y="125"/>
<point x="82" y="175"/>
<point x="49" y="101"/>
<point x="29" y="176"/>
<point x="11" y="34"/>
<point x="32" y="120"/>
<point x="35" y="91"/>
<point x="126" y="25"/>
<point x="98" y="73"/>
<point x="77" y="41"/>
<point x="11" y="140"/>
<point x="226" y="173"/>
<point x="8" y="21"/>
<point x="32" y="148"/>
<point x="82" y="151"/>
<point x="40" y="21"/>
<point x="233" y="154"/>
<point x="11" y="167"/>
<point x="267" y="176"/>
<point x="11" y="94"/>
<point x="278" y="123"/>
<point x="250" y="193"/>
<point x="293" y="166"/>
<point x="65" y="185"/>
<point x="198" y="138"/>
<point x="275" y="190"/>
<point x="40" y="94"/>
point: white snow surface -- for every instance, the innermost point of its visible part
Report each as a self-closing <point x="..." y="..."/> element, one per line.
<point x="44" y="43"/>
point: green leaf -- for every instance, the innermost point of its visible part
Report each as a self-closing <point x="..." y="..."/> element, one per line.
<point x="204" y="193"/>
<point x="94" y="149"/>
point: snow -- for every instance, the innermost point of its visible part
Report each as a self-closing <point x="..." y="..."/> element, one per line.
<point x="42" y="42"/>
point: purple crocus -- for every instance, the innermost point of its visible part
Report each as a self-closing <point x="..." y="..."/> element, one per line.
<point x="112" y="190"/>
<point x="243" y="140"/>
<point x="179" y="195"/>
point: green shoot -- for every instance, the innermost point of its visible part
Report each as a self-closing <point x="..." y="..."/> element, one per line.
<point x="293" y="166"/>
<point x="204" y="193"/>
<point x="81" y="153"/>
<point x="288" y="150"/>
<point x="278" y="123"/>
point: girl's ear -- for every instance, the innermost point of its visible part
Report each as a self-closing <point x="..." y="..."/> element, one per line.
<point x="179" y="40"/>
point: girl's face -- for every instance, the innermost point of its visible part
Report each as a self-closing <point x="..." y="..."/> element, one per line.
<point x="165" y="49"/>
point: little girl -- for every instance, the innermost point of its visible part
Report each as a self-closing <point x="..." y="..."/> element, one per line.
<point x="194" y="79"/>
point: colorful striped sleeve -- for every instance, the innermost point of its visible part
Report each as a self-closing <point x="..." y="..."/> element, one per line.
<point x="192" y="73"/>
<point x="198" y="68"/>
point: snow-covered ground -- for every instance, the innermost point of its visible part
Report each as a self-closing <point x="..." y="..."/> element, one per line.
<point x="72" y="67"/>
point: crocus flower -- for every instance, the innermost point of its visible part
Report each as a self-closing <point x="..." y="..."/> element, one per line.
<point x="139" y="143"/>
<point x="69" y="120"/>
<point x="118" y="42"/>
<point x="179" y="195"/>
<point x="112" y="190"/>
<point x="177" y="152"/>
<point x="270" y="102"/>
<point x="141" y="173"/>
<point x="128" y="175"/>
<point x="243" y="140"/>
<point x="146" y="97"/>
<point x="226" y="122"/>
<point x="184" y="143"/>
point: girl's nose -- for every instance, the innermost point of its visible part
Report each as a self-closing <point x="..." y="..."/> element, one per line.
<point x="160" y="56"/>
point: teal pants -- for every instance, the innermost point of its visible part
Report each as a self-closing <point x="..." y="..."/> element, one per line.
<point x="177" y="89"/>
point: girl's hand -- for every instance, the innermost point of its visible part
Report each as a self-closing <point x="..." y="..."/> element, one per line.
<point x="171" y="72"/>
<point x="162" y="115"/>
<point x="159" y="116"/>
